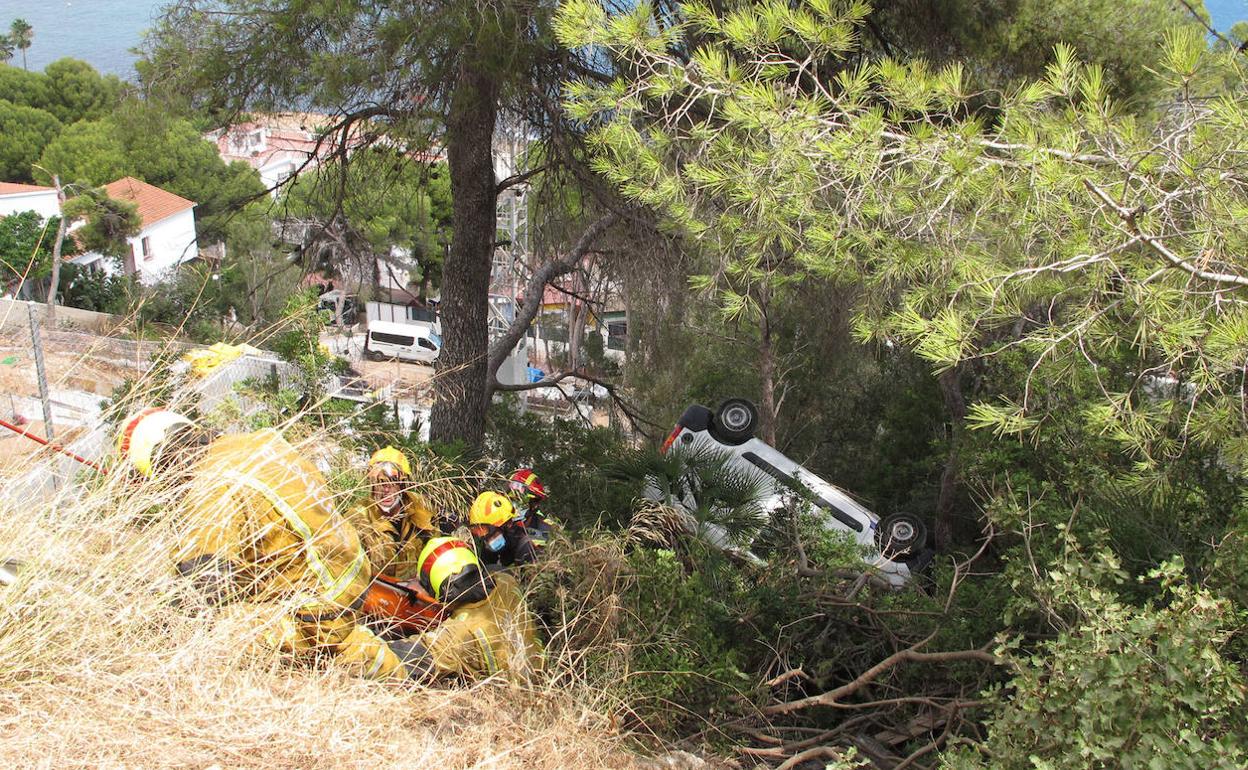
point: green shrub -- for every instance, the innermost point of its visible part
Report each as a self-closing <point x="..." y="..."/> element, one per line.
<point x="1121" y="685"/>
<point x="577" y="464"/>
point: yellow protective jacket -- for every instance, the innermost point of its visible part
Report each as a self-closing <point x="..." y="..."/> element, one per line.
<point x="480" y="639"/>
<point x="258" y="505"/>
<point x="259" y="515"/>
<point x="393" y="544"/>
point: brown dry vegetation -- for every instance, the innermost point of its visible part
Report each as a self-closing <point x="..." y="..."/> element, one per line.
<point x="107" y="661"/>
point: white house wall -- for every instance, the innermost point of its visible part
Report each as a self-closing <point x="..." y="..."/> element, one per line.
<point x="275" y="172"/>
<point x="171" y="242"/>
<point x="42" y="203"/>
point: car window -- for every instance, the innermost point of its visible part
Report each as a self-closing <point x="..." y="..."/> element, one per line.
<point x="392" y="339"/>
<point x="426" y="344"/>
<point x="788" y="481"/>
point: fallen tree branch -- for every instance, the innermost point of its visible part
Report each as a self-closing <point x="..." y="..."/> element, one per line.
<point x="824" y="752"/>
<point x="786" y="676"/>
<point x="908" y="655"/>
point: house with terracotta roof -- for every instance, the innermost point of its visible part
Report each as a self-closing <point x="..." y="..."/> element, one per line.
<point x="16" y="198"/>
<point x="166" y="240"/>
<point x="277" y="144"/>
<point x="280" y="144"/>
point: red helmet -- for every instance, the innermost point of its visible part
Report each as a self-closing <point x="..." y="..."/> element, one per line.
<point x="525" y="480"/>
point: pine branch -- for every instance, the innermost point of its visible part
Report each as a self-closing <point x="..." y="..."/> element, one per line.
<point x="1128" y="217"/>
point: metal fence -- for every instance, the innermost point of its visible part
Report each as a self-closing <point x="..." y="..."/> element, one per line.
<point x="222" y="383"/>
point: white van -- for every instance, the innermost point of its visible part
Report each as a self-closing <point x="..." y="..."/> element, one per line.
<point x="894" y="546"/>
<point x="406" y="342"/>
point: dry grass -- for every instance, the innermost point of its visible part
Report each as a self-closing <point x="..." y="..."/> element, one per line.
<point x="107" y="660"/>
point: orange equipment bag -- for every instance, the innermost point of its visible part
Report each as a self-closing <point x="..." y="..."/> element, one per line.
<point x="405" y="605"/>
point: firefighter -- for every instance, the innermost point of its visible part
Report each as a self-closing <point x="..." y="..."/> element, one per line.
<point x="501" y="538"/>
<point x="528" y="494"/>
<point x="394" y="522"/>
<point x="488" y="627"/>
<point x="260" y="527"/>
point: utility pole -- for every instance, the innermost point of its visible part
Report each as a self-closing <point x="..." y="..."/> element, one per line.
<point x="40" y="371"/>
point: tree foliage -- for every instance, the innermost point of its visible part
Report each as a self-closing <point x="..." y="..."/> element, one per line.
<point x="24" y="133"/>
<point x="391" y="201"/>
<point x="70" y="89"/>
<point x="884" y="179"/>
<point x="26" y="245"/>
<point x="141" y="141"/>
<point x="107" y="222"/>
<point x="1072" y="259"/>
<point x="1122" y="685"/>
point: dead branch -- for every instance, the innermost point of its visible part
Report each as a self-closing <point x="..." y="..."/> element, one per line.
<point x="516" y="179"/>
<point x="824" y="752"/>
<point x="793" y="673"/>
<point x="909" y="655"/>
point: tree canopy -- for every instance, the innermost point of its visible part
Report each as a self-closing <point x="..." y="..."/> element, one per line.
<point x="107" y="222"/>
<point x="24" y="133"/>
<point x="391" y="201"/>
<point x="145" y="143"/>
<point x="1066" y="257"/>
<point x="26" y="246"/>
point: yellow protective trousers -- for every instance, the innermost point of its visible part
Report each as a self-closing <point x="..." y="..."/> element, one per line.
<point x="355" y="646"/>
<point x="481" y="639"/>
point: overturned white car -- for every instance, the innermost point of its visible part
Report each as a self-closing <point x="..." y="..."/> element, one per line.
<point x="894" y="547"/>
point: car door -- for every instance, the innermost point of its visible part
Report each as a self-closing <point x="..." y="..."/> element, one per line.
<point x="426" y="350"/>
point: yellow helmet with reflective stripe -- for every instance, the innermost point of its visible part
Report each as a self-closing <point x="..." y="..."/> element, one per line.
<point x="388" y="456"/>
<point x="491" y="508"/>
<point x="143" y="432"/>
<point x="443" y="559"/>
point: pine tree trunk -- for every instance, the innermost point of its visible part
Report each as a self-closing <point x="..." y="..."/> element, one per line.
<point x="460" y="385"/>
<point x="767" y="373"/>
<point x="55" y="283"/>
<point x="576" y="333"/>
<point x="951" y="391"/>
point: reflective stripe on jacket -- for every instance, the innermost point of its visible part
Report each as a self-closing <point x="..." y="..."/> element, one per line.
<point x="480" y="639"/>
<point x="258" y="504"/>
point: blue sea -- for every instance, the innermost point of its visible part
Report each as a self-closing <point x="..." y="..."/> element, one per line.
<point x="103" y="32"/>
<point x="100" y="32"/>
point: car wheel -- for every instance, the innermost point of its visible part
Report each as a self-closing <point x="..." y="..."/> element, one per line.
<point x="735" y="421"/>
<point x="901" y="534"/>
<point x="373" y="355"/>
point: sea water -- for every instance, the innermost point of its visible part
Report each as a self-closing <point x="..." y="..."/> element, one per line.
<point x="100" y="32"/>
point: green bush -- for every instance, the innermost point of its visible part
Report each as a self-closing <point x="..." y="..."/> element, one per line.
<point x="577" y="464"/>
<point x="653" y="635"/>
<point x="1121" y="685"/>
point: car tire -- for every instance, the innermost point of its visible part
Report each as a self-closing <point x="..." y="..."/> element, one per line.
<point x="735" y="421"/>
<point x="900" y="534"/>
<point x="372" y="355"/>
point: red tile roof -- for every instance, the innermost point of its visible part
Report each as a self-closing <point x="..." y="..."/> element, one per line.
<point x="13" y="188"/>
<point x="154" y="203"/>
